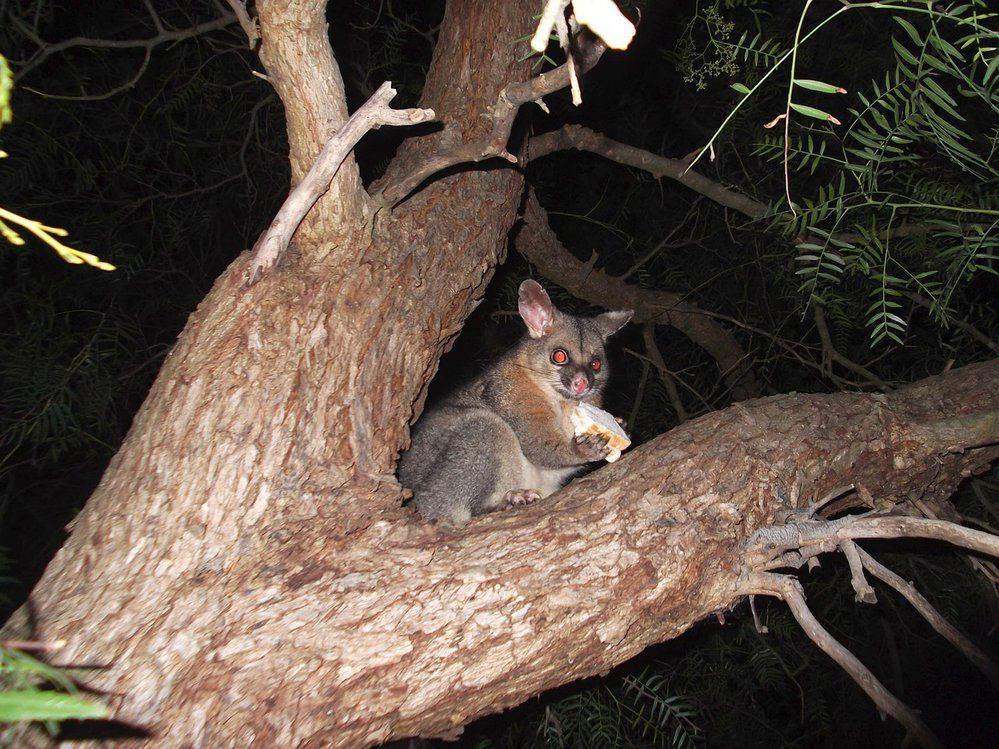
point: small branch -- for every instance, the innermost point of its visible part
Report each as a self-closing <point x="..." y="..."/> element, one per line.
<point x="943" y="627"/>
<point x="817" y="536"/>
<point x="863" y="592"/>
<point x="249" y="25"/>
<point x="562" y="31"/>
<point x="584" y="139"/>
<point x="760" y="626"/>
<point x="163" y="37"/>
<point x="102" y="96"/>
<point x="502" y="115"/>
<point x="789" y="589"/>
<point x="371" y="115"/>
<point x="835" y="356"/>
<point x="791" y="347"/>
<point x="656" y="357"/>
<point x="666" y="241"/>
<point x="967" y="327"/>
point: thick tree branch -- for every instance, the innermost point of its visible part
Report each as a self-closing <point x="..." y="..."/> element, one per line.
<point x="410" y="627"/>
<point x="374" y="113"/>
<point x="943" y="627"/>
<point x="501" y="115"/>
<point x="539" y="244"/>
<point x="789" y="590"/>
<point x="315" y="107"/>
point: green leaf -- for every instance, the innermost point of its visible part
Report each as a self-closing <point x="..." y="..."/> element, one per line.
<point x="16" y="662"/>
<point x="910" y="30"/>
<point x="813" y="112"/>
<point x="825" y="88"/>
<point x="740" y="88"/>
<point x="904" y="53"/>
<point x="947" y="48"/>
<point x="991" y="70"/>
<point x="31" y="705"/>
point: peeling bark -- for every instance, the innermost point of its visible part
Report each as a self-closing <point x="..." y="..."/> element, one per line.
<point x="406" y="627"/>
<point x="244" y="574"/>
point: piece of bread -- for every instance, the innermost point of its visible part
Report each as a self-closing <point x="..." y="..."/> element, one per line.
<point x="587" y="419"/>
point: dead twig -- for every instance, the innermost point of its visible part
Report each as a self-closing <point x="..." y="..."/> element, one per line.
<point x="163" y="36"/>
<point x="943" y="627"/>
<point x="766" y="547"/>
<point x="374" y="113"/>
<point x="789" y="590"/>
<point x="863" y="592"/>
<point x="656" y="357"/>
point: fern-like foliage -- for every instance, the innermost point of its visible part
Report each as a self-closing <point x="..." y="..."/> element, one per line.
<point x="885" y="206"/>
<point x="640" y="708"/>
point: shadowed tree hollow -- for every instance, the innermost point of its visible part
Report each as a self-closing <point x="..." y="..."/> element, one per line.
<point x="246" y="573"/>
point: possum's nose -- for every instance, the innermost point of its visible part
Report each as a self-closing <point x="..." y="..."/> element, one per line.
<point x="579" y="384"/>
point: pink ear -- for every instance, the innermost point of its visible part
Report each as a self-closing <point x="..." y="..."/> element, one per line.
<point x="535" y="308"/>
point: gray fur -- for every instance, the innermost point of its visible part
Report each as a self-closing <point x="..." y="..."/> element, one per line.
<point x="508" y="431"/>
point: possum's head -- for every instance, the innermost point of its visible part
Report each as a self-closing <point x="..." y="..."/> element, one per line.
<point x="566" y="352"/>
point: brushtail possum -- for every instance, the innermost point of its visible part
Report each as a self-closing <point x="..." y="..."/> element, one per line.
<point x="505" y="438"/>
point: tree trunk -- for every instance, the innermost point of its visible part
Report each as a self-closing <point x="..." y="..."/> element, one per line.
<point x="245" y="575"/>
<point x="272" y="430"/>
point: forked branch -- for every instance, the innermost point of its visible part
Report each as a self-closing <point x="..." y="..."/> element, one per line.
<point x="793" y="544"/>
<point x="789" y="590"/>
<point x="768" y="547"/>
<point x="936" y="620"/>
<point x="502" y="115"/>
<point x="374" y="113"/>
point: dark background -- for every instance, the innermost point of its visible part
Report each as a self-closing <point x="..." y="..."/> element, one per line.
<point x="170" y="178"/>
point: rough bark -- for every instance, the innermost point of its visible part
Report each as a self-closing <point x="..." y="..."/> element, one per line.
<point x="406" y="627"/>
<point x="278" y="416"/>
<point x="244" y="575"/>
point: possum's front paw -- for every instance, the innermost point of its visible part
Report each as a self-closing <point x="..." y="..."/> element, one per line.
<point x="517" y="497"/>
<point x="592" y="447"/>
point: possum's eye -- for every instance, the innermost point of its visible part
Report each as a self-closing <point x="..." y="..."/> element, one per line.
<point x="560" y="356"/>
<point x="596" y="364"/>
